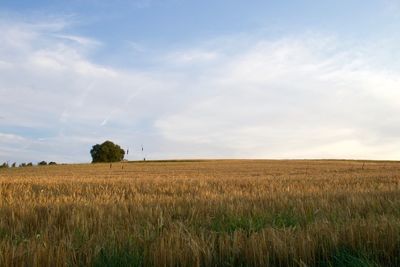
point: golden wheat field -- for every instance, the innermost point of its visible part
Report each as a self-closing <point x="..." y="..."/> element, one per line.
<point x="202" y="213"/>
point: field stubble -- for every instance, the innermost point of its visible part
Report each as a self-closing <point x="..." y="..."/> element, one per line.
<point x="202" y="213"/>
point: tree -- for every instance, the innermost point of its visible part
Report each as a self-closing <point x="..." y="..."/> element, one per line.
<point x="107" y="152"/>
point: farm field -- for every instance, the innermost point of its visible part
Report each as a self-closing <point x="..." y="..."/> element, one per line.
<point x="202" y="213"/>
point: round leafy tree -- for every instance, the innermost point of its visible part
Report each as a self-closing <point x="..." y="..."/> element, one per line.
<point x="107" y="152"/>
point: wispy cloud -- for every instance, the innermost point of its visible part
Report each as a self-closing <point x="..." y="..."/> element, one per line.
<point x="80" y="40"/>
<point x="136" y="47"/>
<point x="192" y="56"/>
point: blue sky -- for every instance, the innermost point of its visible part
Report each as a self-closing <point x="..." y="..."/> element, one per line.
<point x="199" y="79"/>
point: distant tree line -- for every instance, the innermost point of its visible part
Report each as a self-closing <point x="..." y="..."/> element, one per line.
<point x="29" y="164"/>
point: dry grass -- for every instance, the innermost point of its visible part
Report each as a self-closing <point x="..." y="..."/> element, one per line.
<point x="206" y="213"/>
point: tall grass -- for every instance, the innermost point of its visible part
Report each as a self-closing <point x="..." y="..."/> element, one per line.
<point x="206" y="213"/>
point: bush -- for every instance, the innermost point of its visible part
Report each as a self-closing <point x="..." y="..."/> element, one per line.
<point x="22" y="165"/>
<point x="29" y="164"/>
<point x="14" y="165"/>
<point x="107" y="152"/>
<point x="4" y="165"/>
<point x="42" y="163"/>
<point x="52" y="163"/>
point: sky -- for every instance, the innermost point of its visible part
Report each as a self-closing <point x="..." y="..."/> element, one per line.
<point x="200" y="79"/>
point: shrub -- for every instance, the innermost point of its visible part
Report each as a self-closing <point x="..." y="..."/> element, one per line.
<point x="42" y="163"/>
<point x="29" y="164"/>
<point x="52" y="163"/>
<point x="4" y="165"/>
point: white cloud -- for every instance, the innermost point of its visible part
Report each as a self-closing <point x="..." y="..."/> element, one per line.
<point x="293" y="97"/>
